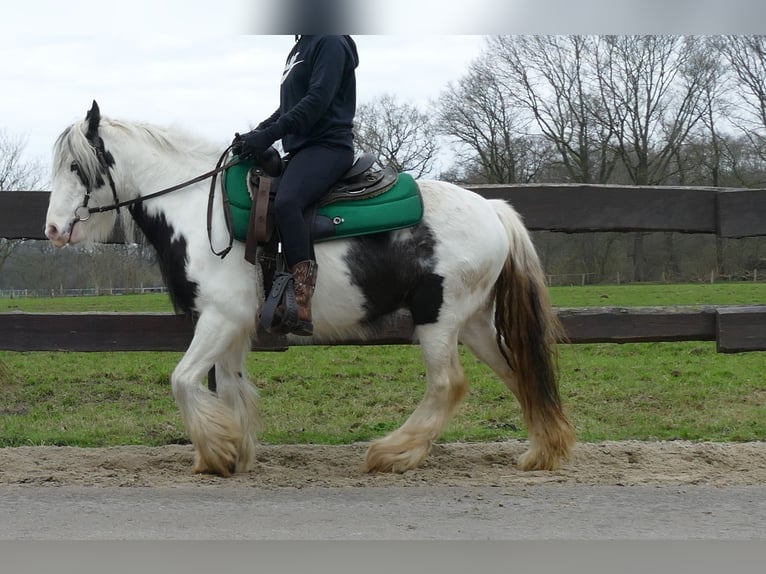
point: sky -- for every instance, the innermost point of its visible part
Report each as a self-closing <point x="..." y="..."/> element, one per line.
<point x="211" y="86"/>
<point x="213" y="67"/>
<point x="198" y="74"/>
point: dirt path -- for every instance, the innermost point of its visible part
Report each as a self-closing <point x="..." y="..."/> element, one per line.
<point x="486" y="464"/>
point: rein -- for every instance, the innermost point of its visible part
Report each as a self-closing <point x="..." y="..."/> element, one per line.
<point x="105" y="160"/>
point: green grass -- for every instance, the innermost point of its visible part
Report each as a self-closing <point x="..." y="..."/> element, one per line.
<point x="665" y="391"/>
<point x="149" y="303"/>
<point x="338" y="395"/>
<point x="632" y="295"/>
<point x="660" y="294"/>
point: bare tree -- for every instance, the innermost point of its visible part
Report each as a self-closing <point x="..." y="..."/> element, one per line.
<point x="716" y="109"/>
<point x="479" y="114"/>
<point x="16" y="174"/>
<point x="652" y="91"/>
<point x="7" y="247"/>
<point x="701" y="159"/>
<point x="744" y="165"/>
<point x="553" y="79"/>
<point x="746" y="56"/>
<point x="398" y="133"/>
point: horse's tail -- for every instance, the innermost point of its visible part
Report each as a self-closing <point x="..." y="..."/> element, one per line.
<point x="528" y="331"/>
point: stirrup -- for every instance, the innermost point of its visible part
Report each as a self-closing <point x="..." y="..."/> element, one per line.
<point x="303" y="329"/>
<point x="280" y="310"/>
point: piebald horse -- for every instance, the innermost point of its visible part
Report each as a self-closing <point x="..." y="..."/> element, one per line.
<point x="467" y="273"/>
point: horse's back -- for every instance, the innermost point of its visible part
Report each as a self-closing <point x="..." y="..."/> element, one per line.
<point x="468" y="226"/>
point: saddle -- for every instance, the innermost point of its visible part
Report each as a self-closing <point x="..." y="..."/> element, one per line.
<point x="367" y="199"/>
<point x="364" y="179"/>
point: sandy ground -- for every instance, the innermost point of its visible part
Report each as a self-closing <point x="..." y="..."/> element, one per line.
<point x="626" y="463"/>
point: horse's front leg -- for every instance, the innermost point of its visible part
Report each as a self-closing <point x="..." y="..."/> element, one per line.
<point x="406" y="447"/>
<point x="212" y="425"/>
<point x="235" y="389"/>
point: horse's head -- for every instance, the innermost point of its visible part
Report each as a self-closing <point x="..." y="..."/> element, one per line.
<point x="82" y="178"/>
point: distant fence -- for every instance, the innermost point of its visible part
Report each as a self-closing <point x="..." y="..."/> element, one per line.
<point x="565" y="208"/>
<point x="569" y="279"/>
<point x="85" y="292"/>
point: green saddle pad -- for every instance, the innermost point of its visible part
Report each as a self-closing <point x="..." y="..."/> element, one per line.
<point x="399" y="207"/>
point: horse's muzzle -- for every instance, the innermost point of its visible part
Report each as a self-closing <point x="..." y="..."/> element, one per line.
<point x="58" y="237"/>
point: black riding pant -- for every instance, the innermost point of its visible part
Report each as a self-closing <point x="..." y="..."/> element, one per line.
<point x="308" y="176"/>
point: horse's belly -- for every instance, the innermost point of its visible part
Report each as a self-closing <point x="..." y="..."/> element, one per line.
<point x="336" y="307"/>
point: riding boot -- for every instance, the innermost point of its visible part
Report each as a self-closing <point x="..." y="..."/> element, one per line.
<point x="304" y="280"/>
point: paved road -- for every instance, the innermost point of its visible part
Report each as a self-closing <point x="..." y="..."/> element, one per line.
<point x="535" y="513"/>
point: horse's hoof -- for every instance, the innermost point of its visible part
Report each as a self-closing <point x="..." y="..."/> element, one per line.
<point x="538" y="460"/>
<point x="224" y="469"/>
<point x="382" y="457"/>
<point x="224" y="472"/>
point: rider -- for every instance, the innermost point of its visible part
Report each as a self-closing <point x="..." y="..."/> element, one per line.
<point x="315" y="121"/>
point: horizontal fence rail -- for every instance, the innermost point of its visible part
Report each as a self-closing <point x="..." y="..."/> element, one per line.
<point x="562" y="207"/>
<point x="735" y="329"/>
<point x="565" y="208"/>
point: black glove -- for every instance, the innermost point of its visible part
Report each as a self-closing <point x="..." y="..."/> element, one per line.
<point x="251" y="144"/>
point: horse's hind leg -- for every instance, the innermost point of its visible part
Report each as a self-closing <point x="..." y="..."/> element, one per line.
<point x="406" y="447"/>
<point x="212" y="424"/>
<point x="544" y="452"/>
<point x="236" y="390"/>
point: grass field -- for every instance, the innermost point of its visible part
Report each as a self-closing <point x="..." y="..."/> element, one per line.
<point x="631" y="295"/>
<point x="336" y="395"/>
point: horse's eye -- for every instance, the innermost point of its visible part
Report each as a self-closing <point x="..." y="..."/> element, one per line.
<point x="74" y="167"/>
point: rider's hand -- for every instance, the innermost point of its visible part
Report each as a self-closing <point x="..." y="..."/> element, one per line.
<point x="251" y="144"/>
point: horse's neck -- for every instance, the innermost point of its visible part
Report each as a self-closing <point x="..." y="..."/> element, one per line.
<point x="148" y="166"/>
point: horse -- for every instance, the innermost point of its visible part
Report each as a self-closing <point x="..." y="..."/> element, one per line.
<point x="467" y="273"/>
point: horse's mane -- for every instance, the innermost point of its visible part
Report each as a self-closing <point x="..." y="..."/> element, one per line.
<point x="72" y="144"/>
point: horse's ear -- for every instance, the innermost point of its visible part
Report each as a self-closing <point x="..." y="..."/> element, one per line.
<point x="93" y="117"/>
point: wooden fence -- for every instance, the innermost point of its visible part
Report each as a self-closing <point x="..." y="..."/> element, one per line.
<point x="567" y="208"/>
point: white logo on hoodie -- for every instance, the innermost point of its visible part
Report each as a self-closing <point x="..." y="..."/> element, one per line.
<point x="291" y="63"/>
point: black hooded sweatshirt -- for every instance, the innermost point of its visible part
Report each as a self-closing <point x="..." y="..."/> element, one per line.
<point x="317" y="94"/>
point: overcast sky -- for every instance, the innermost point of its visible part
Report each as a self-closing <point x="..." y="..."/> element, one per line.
<point x="197" y="64"/>
<point x="212" y="86"/>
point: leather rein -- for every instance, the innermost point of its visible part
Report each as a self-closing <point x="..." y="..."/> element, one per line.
<point x="106" y="160"/>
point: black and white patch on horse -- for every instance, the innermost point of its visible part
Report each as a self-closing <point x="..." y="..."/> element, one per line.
<point x="395" y="270"/>
<point x="172" y="256"/>
<point x="468" y="273"/>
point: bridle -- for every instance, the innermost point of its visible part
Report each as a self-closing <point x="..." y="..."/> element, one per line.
<point x="106" y="161"/>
